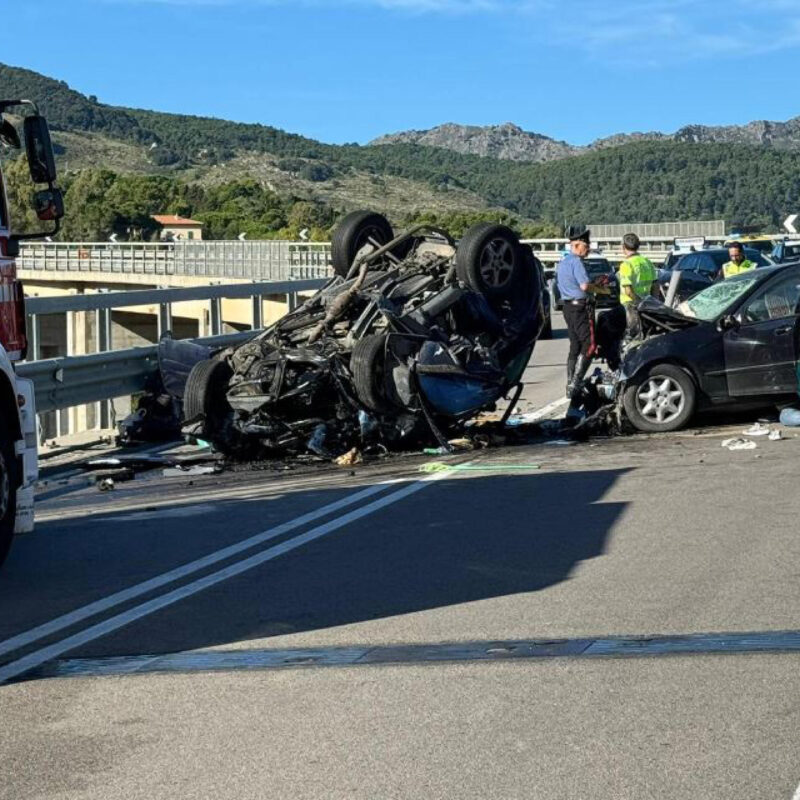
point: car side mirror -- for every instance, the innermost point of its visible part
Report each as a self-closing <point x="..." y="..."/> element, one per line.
<point x="728" y="323"/>
<point x="49" y="204"/>
<point x="39" y="148"/>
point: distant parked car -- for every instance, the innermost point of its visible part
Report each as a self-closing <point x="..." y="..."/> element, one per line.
<point x="596" y="267"/>
<point x="701" y="268"/>
<point x="786" y="251"/>
<point x="547" y="304"/>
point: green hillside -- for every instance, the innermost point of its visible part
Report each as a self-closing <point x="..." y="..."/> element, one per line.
<point x="641" y="182"/>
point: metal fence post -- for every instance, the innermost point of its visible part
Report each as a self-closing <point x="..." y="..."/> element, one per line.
<point x="258" y="317"/>
<point x="215" y="315"/>
<point x="34" y="337"/>
<point x="103" y="318"/>
<point x="164" y="319"/>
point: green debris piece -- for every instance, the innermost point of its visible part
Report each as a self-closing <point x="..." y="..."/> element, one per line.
<point x="440" y="466"/>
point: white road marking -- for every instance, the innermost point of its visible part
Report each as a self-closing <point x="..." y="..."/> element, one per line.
<point x="39" y="657"/>
<point x="139" y="589"/>
<point x="796" y="795"/>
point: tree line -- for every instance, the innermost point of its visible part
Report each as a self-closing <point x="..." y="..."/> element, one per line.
<point x="100" y="202"/>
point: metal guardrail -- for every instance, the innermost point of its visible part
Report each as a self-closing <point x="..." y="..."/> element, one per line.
<point x="69" y="381"/>
<point x="158" y="297"/>
<point x="77" y="380"/>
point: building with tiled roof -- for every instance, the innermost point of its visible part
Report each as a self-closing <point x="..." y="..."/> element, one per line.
<point x="175" y="228"/>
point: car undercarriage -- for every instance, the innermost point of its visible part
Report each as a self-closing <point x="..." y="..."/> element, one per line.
<point x="413" y="336"/>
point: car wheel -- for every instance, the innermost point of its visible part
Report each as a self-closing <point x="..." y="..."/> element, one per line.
<point x="663" y="399"/>
<point x="205" y="398"/>
<point x="490" y="260"/>
<point x="353" y="233"/>
<point x="367" y="363"/>
<point x="9" y="480"/>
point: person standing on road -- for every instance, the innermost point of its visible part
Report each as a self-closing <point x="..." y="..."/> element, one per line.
<point x="738" y="263"/>
<point x="637" y="279"/>
<point x="576" y="290"/>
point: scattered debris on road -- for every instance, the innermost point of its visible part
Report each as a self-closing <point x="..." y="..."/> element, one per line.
<point x="739" y="443"/>
<point x="440" y="466"/>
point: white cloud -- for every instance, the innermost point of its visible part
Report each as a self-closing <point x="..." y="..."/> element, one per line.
<point x="640" y="31"/>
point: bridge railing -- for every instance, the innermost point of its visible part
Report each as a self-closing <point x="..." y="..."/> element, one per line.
<point x="257" y="260"/>
<point x="656" y="248"/>
<point x="260" y="260"/>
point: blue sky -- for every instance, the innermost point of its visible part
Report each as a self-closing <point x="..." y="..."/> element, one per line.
<point x="350" y="70"/>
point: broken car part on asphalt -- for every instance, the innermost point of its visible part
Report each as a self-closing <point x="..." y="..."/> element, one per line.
<point x="413" y="336"/>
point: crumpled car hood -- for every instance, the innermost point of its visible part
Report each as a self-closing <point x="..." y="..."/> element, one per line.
<point x="657" y="317"/>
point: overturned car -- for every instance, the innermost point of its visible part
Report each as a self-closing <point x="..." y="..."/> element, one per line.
<point x="413" y="336"/>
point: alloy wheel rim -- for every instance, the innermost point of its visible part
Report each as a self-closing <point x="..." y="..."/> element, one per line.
<point x="660" y="399"/>
<point x="497" y="263"/>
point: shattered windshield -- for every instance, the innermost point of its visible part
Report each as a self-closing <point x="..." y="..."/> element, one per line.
<point x="711" y="302"/>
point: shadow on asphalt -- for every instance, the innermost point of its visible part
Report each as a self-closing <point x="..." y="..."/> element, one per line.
<point x="456" y="542"/>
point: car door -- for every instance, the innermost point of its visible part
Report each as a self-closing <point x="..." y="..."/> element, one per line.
<point x="761" y="353"/>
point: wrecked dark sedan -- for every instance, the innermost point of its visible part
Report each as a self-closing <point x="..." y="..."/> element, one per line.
<point x="732" y="344"/>
<point x="413" y="336"/>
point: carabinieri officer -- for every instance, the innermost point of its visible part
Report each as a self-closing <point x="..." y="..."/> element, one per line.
<point x="575" y="289"/>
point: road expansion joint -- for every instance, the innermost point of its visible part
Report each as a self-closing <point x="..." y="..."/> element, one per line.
<point x="607" y="647"/>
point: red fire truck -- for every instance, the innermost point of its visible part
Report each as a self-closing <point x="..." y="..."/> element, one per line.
<point x="18" y="440"/>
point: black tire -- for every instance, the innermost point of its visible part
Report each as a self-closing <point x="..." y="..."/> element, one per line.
<point x="206" y="397"/>
<point x="672" y="379"/>
<point x="352" y="233"/>
<point x="9" y="483"/>
<point x="490" y="260"/>
<point x="367" y="363"/>
<point x="206" y="388"/>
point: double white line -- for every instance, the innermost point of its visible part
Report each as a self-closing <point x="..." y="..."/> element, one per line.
<point x="38" y="657"/>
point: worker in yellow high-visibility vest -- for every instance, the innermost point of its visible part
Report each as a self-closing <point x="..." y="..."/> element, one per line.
<point x="738" y="263"/>
<point x="638" y="278"/>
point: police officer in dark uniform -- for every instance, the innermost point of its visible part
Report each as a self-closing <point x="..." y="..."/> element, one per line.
<point x="576" y="290"/>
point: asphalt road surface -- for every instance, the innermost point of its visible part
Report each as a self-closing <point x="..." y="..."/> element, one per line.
<point x="615" y="619"/>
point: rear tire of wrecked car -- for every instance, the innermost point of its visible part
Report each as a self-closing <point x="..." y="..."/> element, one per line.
<point x="661" y="399"/>
<point x="205" y="398"/>
<point x="367" y="363"/>
<point x="490" y="260"/>
<point x="353" y="233"/>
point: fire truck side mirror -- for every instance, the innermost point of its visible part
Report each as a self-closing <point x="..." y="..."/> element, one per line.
<point x="41" y="161"/>
<point x="49" y="204"/>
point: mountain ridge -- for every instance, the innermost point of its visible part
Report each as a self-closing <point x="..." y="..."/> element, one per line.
<point x="508" y="141"/>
